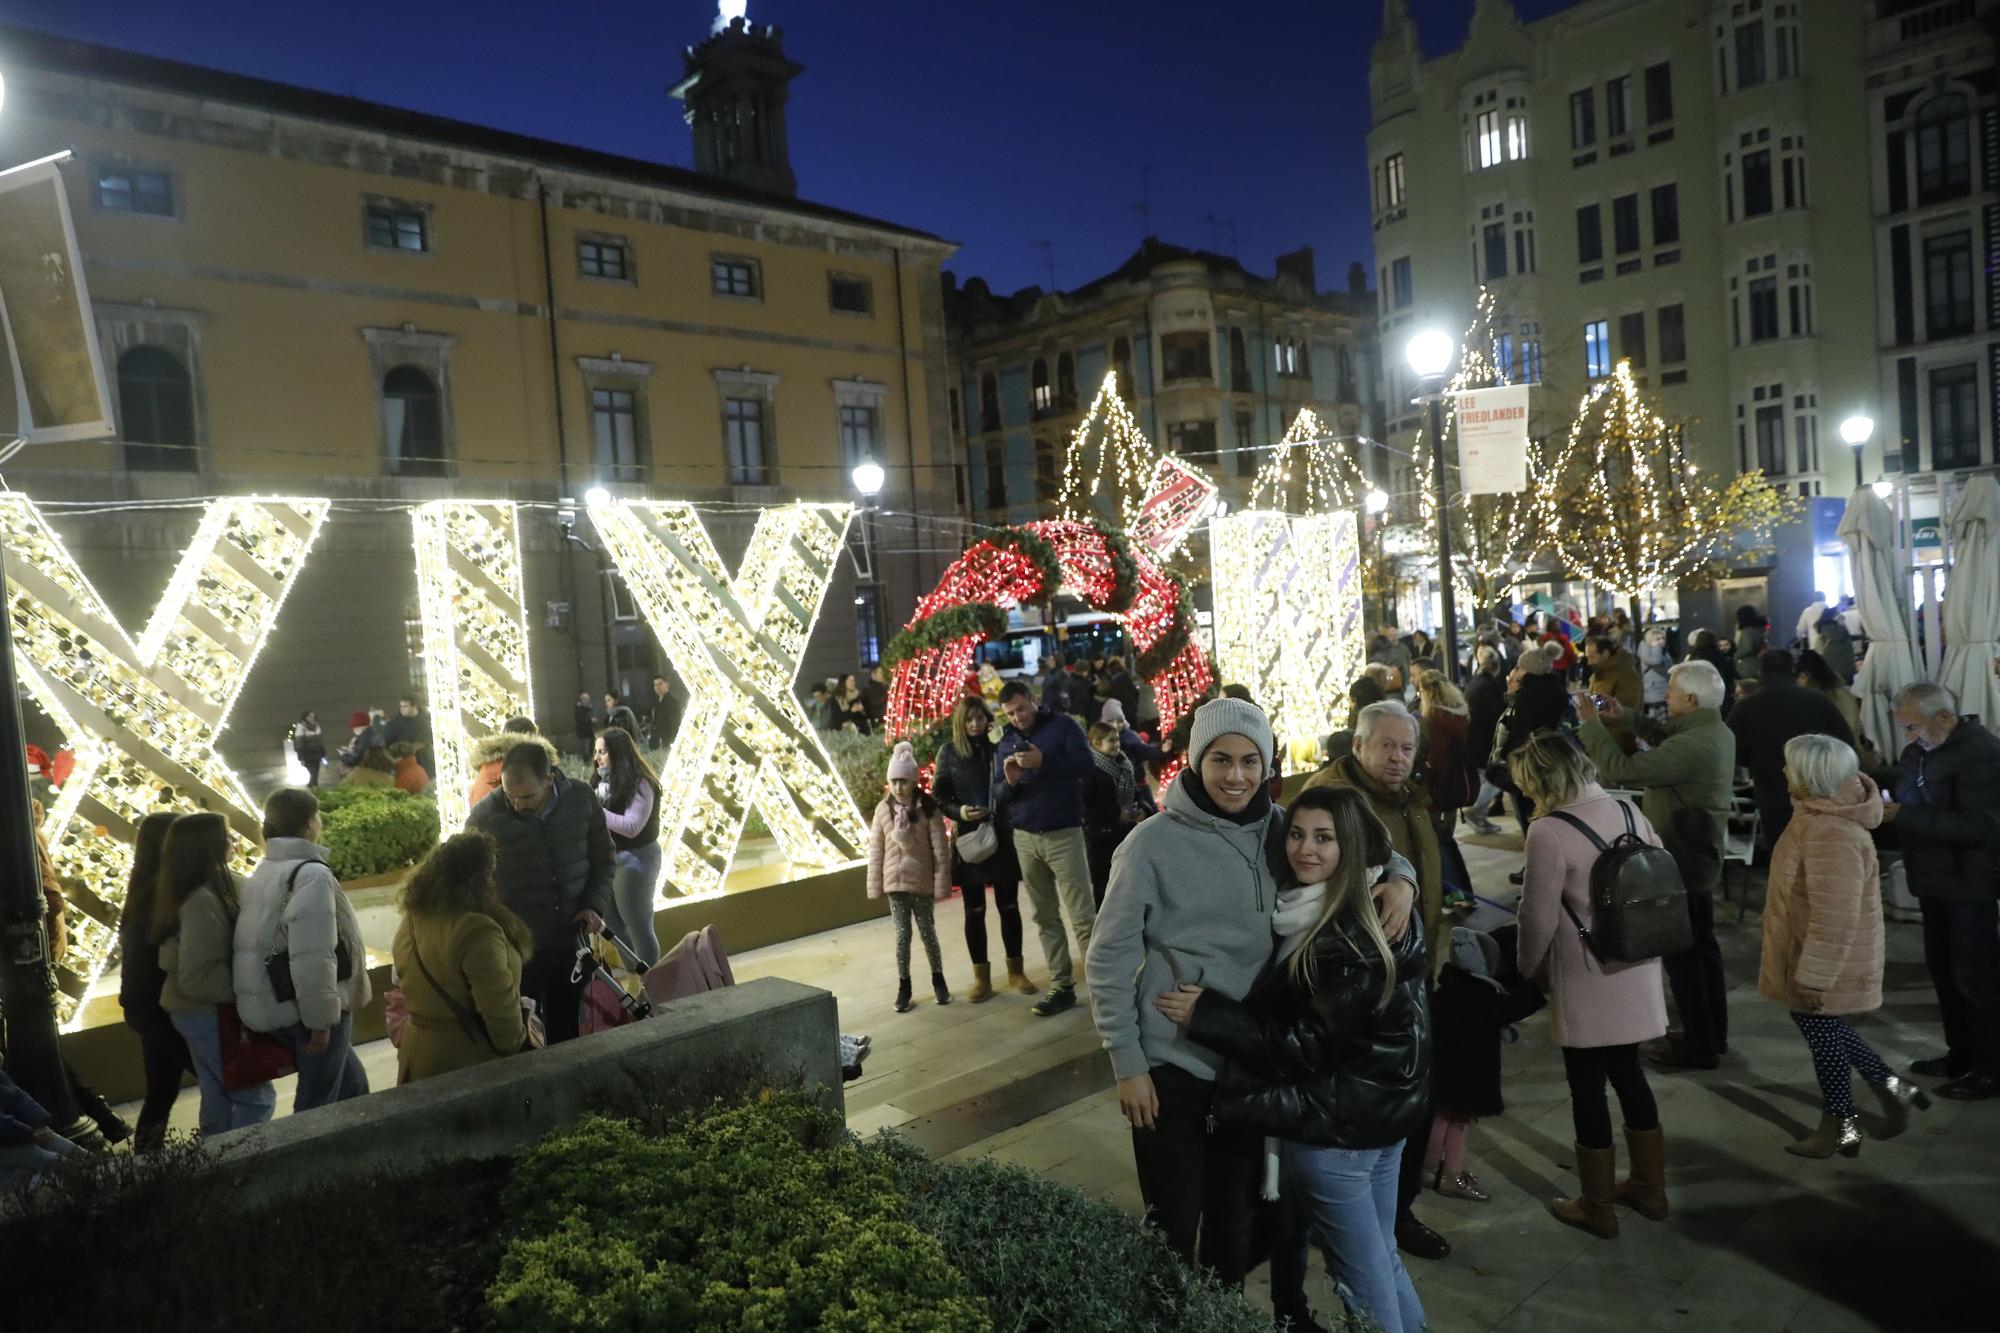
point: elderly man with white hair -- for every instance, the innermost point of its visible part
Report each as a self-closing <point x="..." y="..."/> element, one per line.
<point x="1687" y="777"/>
<point x="1945" y="816"/>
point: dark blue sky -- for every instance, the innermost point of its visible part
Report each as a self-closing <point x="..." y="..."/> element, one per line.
<point x="995" y="123"/>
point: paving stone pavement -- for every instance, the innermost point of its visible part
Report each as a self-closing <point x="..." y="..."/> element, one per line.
<point x="1906" y="1237"/>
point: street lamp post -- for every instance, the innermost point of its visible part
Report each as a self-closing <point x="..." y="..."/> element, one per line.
<point x="1856" y="431"/>
<point x="1430" y="354"/>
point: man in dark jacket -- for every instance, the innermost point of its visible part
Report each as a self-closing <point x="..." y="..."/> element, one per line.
<point x="586" y="722"/>
<point x="412" y="726"/>
<point x="1485" y="701"/>
<point x="1945" y="814"/>
<point x="1057" y="685"/>
<point x="555" y="868"/>
<point x="1039" y="771"/>
<point x="666" y="718"/>
<point x="1764" y="720"/>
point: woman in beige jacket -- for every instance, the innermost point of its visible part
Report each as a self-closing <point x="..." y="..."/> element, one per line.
<point x="458" y="953"/>
<point x="1823" y="937"/>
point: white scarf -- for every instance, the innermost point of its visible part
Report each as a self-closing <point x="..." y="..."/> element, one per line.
<point x="1298" y="911"/>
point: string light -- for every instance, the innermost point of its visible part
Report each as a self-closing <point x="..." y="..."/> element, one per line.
<point x="1177" y="499"/>
<point x="469" y="594"/>
<point x="736" y="642"/>
<point x="142" y="717"/>
<point x="1114" y="445"/>
<point x="1332" y="476"/>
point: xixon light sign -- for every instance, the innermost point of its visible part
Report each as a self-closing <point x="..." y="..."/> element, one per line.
<point x="143" y="713"/>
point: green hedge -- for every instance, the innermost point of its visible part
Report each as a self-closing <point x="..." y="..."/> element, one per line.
<point x="370" y="830"/>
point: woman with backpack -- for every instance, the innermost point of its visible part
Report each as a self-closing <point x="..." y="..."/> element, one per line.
<point x="1601" y="1010"/>
<point x="459" y="953"/>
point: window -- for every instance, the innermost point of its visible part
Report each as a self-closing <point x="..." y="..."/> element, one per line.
<point x="868" y="623"/>
<point x="1798" y="295"/>
<point x="392" y="227"/>
<point x="1625" y="223"/>
<point x="1066" y="382"/>
<point x="734" y="278"/>
<point x="1239" y="361"/>
<point x="1750" y="69"/>
<point x="1041" y="394"/>
<point x="1192" y="439"/>
<point x="1404" y="293"/>
<point x="1757" y="183"/>
<point x="1666" y="214"/>
<point x="1517" y="136"/>
<point x="1659" y="93"/>
<point x="122" y="190"/>
<point x="1582" y="119"/>
<point x="1618" y="107"/>
<point x="1494" y="241"/>
<point x="1048" y="471"/>
<point x="1121" y="362"/>
<point x="989" y="402"/>
<point x="1503" y="355"/>
<point x="1392" y="181"/>
<point x="1763" y="309"/>
<point x="849" y="295"/>
<point x="1597" y="349"/>
<point x="1955" y="417"/>
<point x="1246" y="455"/>
<point x="1632" y="338"/>
<point x="1771" y="440"/>
<point x="1489" y="148"/>
<point x="1531" y="352"/>
<point x="1589" y="235"/>
<point x="601" y="258"/>
<point x="156" y="411"/>
<point x="743" y="441"/>
<point x="1792" y="158"/>
<point x="413" y="423"/>
<point x="860" y="434"/>
<point x="1524" y="242"/>
<point x="1944" y="149"/>
<point x="614" y="417"/>
<point x="1673" y="335"/>
<point x="1948" y="285"/>
<point x="1184" y="356"/>
<point x="996" y="476"/>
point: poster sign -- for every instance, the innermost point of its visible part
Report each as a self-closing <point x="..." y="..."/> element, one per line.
<point x="1493" y="440"/>
<point x="1177" y="497"/>
<point x="59" y="391"/>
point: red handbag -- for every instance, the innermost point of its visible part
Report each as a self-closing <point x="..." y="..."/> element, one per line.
<point x="249" y="1058"/>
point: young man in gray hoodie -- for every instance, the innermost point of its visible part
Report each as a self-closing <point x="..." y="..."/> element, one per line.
<point x="1191" y="898"/>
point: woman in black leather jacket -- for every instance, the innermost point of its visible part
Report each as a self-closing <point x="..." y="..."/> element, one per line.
<point x="1330" y="1054"/>
<point x="963" y="787"/>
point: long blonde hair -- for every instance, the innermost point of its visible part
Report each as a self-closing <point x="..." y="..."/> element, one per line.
<point x="1350" y="905"/>
<point x="1438" y="694"/>
<point x="961" y="734"/>
<point x="1551" y="770"/>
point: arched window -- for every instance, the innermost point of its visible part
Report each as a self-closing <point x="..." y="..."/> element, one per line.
<point x="1121" y="362"/>
<point x="1066" y="382"/>
<point x="1048" y="471"/>
<point x="156" y="411"/>
<point x="989" y="402"/>
<point x="413" y="423"/>
<point x="1239" y="361"/>
<point x="1043" y="396"/>
<point x="1944" y="149"/>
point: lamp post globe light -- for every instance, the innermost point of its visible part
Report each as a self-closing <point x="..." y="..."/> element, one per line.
<point x="596" y="495"/>
<point x="1856" y="431"/>
<point x="1376" y="501"/>
<point x="868" y="477"/>
<point x="1430" y="353"/>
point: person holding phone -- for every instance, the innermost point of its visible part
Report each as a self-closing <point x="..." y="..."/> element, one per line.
<point x="963" y="786"/>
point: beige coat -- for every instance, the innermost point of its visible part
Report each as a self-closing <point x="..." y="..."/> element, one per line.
<point x="1823" y="910"/>
<point x="914" y="859"/>
<point x="478" y="964"/>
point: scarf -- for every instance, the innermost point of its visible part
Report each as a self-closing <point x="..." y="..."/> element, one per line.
<point x="1260" y="804"/>
<point x="905" y="814"/>
<point x="1119" y="769"/>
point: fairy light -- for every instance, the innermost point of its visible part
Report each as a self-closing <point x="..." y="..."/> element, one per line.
<point x="469" y="594"/>
<point x="1330" y="475"/>
<point x="143" y="716"/>
<point x="736" y="642"/>
<point x="1106" y="446"/>
<point x="1177" y="499"/>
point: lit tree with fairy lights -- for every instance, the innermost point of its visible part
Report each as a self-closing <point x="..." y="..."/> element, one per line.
<point x="1319" y="468"/>
<point x="1106" y="451"/>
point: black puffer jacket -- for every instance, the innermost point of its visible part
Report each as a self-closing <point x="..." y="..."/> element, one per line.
<point x="1326" y="1069"/>
<point x="551" y="869"/>
<point x="1948" y="820"/>
<point x="968" y="780"/>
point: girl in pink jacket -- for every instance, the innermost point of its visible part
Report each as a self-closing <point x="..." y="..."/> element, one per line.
<point x="909" y="858"/>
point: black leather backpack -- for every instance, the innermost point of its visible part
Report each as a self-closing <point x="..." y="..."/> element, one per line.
<point x="1638" y="903"/>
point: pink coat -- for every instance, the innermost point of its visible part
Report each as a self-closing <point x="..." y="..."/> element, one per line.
<point x="1823" y="910"/>
<point x="1593" y="1003"/>
<point x="914" y="859"/>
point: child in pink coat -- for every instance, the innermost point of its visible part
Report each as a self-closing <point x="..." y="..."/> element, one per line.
<point x="909" y="858"/>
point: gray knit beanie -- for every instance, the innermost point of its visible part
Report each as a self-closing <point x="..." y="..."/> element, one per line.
<point x="1225" y="717"/>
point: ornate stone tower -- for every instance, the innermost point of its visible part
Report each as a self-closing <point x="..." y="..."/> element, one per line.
<point x="735" y="89"/>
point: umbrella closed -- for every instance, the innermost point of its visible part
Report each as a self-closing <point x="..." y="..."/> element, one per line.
<point x="1972" y="604"/>
<point x="1877" y="574"/>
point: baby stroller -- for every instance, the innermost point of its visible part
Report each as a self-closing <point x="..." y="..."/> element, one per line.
<point x="613" y="981"/>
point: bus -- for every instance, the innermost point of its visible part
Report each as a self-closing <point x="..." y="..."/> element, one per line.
<point x="1021" y="650"/>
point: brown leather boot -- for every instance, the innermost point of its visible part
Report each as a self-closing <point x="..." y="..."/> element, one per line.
<point x="1017" y="978"/>
<point x="1591" y="1210"/>
<point x="1645" y="1190"/>
<point x="982" y="983"/>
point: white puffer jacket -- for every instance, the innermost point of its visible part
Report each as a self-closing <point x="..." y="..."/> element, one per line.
<point x="309" y="920"/>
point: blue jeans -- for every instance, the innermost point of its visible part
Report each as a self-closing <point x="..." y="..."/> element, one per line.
<point x="1350" y="1195"/>
<point x="632" y="886"/>
<point x="222" y="1108"/>
<point x="334" y="1075"/>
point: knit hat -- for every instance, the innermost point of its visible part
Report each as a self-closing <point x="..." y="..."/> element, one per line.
<point x="903" y="762"/>
<point x="358" y="718"/>
<point x="1113" y="711"/>
<point x="1230" y="717"/>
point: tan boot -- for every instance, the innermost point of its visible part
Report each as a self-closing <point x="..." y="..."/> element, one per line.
<point x="1017" y="978"/>
<point x="1832" y="1136"/>
<point x="1645" y="1190"/>
<point x="982" y="983"/>
<point x="1591" y="1210"/>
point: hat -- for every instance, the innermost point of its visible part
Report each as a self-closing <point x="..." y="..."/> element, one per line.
<point x="1477" y="953"/>
<point x="1230" y="717"/>
<point x="358" y="718"/>
<point x="903" y="762"/>
<point x="1113" y="711"/>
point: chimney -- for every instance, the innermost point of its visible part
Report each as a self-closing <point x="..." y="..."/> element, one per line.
<point x="1357" y="279"/>
<point x="1299" y="263"/>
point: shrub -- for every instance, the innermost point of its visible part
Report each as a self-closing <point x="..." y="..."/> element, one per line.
<point x="369" y="830"/>
<point x="863" y="764"/>
<point x="765" y="1216"/>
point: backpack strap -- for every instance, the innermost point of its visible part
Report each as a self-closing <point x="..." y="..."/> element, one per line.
<point x="1631" y="829"/>
<point x="1586" y="830"/>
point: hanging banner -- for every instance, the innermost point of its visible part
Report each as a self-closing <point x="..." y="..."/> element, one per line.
<point x="58" y="390"/>
<point x="1493" y="440"/>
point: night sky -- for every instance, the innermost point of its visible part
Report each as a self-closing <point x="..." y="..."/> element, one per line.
<point x="994" y="123"/>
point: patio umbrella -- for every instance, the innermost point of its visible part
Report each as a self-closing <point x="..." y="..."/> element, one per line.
<point x="1972" y="602"/>
<point x="1869" y="531"/>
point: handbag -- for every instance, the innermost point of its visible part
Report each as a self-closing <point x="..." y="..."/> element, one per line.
<point x="279" y="964"/>
<point x="978" y="843"/>
<point x="249" y="1058"/>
